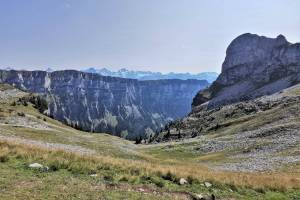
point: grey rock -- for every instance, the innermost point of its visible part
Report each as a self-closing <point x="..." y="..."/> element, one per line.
<point x="39" y="167"/>
<point x="36" y="166"/>
<point x="182" y="181"/>
<point x="266" y="146"/>
<point x="254" y="66"/>
<point x="207" y="184"/>
<point x="93" y="175"/>
<point x="252" y="108"/>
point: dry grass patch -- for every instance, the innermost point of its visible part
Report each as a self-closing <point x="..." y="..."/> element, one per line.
<point x="60" y="159"/>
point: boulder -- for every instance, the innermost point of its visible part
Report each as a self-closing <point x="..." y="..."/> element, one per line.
<point x="207" y="184"/>
<point x="182" y="181"/>
<point x="39" y="166"/>
<point x="36" y="166"/>
<point x="94" y="175"/>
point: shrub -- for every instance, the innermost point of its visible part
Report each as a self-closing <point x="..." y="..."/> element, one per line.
<point x="53" y="167"/>
<point x="59" y="163"/>
<point x="124" y="179"/>
<point x="135" y="172"/>
<point x="260" y="190"/>
<point x="138" y="140"/>
<point x="192" y="180"/>
<point x="145" y="178"/>
<point x="232" y="187"/>
<point x="170" y="177"/>
<point x="108" y="177"/>
<point x="104" y="167"/>
<point x="4" y="152"/>
<point x="39" y="103"/>
<point x="21" y="114"/>
<point x="167" y="135"/>
<point x="25" y="103"/>
<point x="4" y="158"/>
<point x="179" y="134"/>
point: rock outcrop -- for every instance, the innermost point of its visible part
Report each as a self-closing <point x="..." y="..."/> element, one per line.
<point x="123" y="107"/>
<point x="263" y="132"/>
<point x="254" y="66"/>
<point x="250" y="114"/>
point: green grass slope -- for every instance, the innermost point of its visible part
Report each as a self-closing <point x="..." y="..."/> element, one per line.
<point x="100" y="166"/>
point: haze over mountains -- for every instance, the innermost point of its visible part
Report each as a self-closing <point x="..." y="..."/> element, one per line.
<point x="141" y="75"/>
<point x="148" y="75"/>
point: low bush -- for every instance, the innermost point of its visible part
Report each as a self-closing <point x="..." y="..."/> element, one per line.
<point x="170" y="177"/>
<point x="4" y="158"/>
<point x="21" y="114"/>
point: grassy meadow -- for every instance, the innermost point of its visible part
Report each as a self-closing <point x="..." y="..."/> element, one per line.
<point x="119" y="168"/>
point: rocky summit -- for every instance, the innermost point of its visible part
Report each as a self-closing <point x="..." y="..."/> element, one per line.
<point x="123" y="107"/>
<point x="254" y="66"/>
<point x="251" y="112"/>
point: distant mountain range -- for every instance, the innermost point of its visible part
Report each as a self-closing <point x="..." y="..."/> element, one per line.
<point x="143" y="75"/>
<point x="148" y="75"/>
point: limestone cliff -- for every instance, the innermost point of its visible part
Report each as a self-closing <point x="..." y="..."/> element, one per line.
<point x="123" y="107"/>
<point x="254" y="66"/>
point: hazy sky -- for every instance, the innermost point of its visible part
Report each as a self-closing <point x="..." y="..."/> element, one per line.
<point x="157" y="35"/>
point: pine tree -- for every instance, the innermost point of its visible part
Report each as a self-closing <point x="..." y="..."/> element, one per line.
<point x="179" y="134"/>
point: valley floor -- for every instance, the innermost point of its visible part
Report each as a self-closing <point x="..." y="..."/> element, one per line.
<point x="79" y="165"/>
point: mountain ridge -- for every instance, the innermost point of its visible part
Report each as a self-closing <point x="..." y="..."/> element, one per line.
<point x="250" y="114"/>
<point x="123" y="107"/>
<point x="254" y="66"/>
<point x="149" y="75"/>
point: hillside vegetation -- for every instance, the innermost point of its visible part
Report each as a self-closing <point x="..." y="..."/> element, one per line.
<point x="100" y="166"/>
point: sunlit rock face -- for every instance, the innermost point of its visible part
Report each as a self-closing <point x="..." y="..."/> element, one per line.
<point x="123" y="107"/>
<point x="254" y="66"/>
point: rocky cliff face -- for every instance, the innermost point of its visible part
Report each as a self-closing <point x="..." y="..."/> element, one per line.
<point x="251" y="112"/>
<point x="124" y="107"/>
<point x="254" y="66"/>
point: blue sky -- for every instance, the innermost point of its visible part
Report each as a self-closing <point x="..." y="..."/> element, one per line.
<point x="156" y="35"/>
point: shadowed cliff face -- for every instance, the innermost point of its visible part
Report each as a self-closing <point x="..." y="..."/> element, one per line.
<point x="124" y="107"/>
<point x="254" y="66"/>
